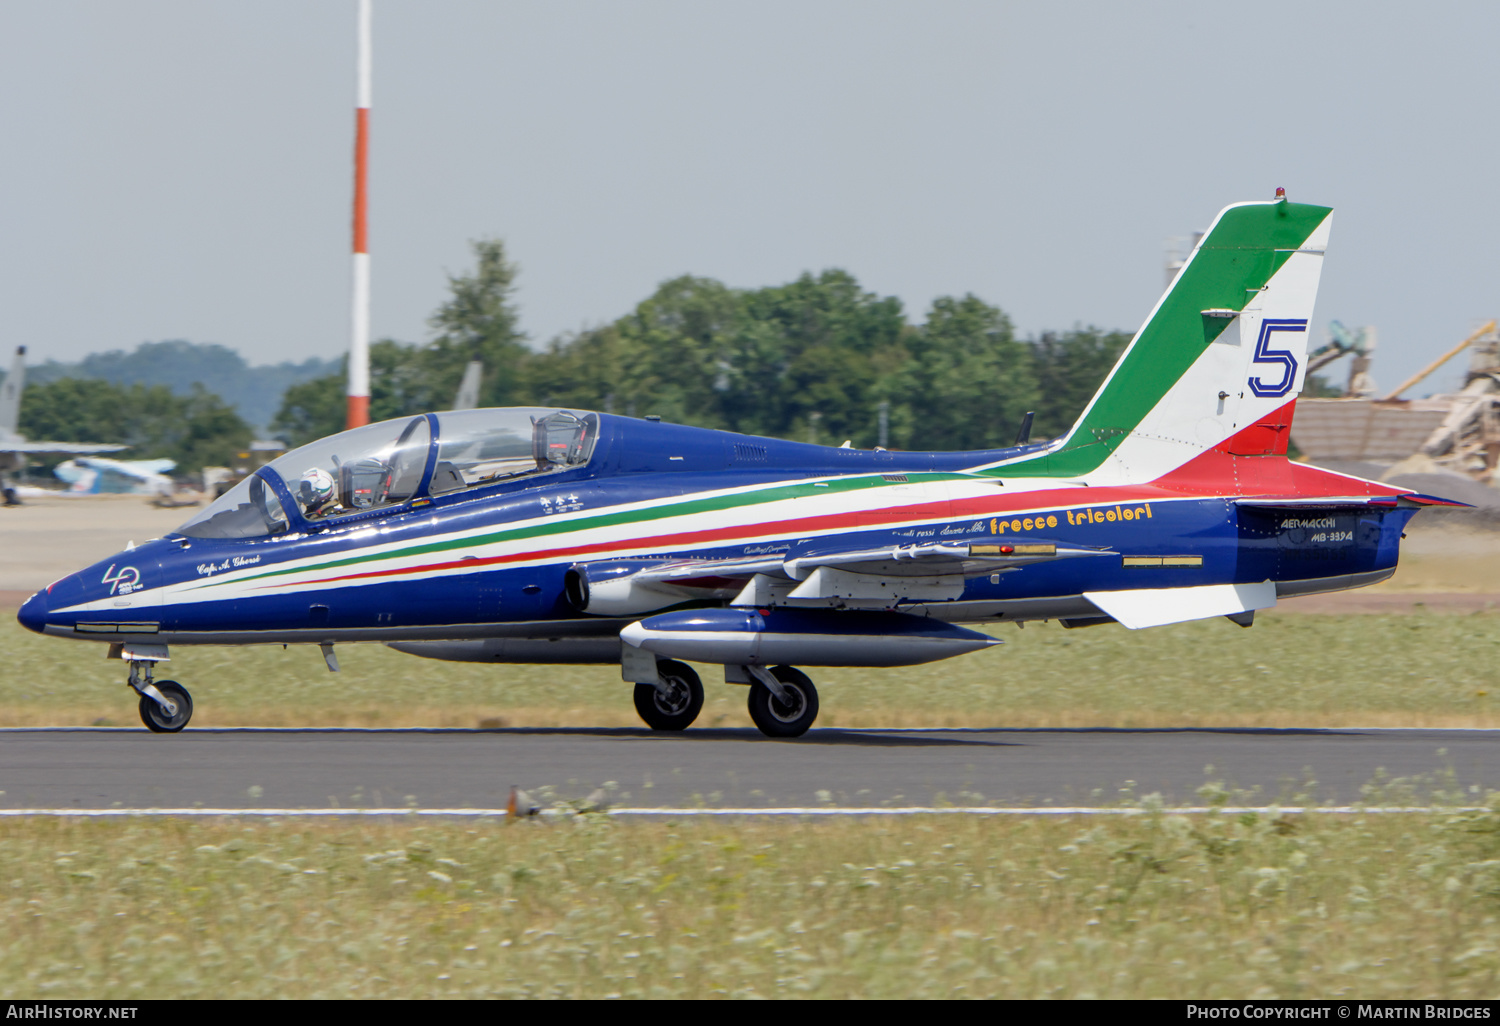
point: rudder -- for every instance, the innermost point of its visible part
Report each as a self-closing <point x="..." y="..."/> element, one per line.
<point x="1223" y="352"/>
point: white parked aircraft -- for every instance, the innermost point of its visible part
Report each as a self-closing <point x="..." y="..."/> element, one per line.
<point x="96" y="475"/>
<point x="15" y="450"/>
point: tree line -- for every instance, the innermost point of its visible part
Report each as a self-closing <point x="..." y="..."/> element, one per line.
<point x="197" y="430"/>
<point x="254" y="391"/>
<point x="819" y="358"/>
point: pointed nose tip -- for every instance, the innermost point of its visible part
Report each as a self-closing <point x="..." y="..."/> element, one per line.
<point x="33" y="614"/>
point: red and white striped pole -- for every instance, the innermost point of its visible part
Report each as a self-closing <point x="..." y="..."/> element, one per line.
<point x="359" y="341"/>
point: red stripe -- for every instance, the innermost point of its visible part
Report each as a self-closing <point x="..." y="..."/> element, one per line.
<point x="361" y="178"/>
<point x="358" y="411"/>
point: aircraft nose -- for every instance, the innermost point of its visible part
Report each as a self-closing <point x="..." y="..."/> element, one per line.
<point x="33" y="614"/>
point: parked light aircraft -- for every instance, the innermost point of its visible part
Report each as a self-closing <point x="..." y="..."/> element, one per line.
<point x="15" y="450"/>
<point x="548" y="535"/>
<point x="96" y="475"/>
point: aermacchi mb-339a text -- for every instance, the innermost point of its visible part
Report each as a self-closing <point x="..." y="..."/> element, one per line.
<point x="541" y="535"/>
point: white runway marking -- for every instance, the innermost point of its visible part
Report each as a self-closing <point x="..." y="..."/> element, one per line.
<point x="823" y="811"/>
<point x="189" y="731"/>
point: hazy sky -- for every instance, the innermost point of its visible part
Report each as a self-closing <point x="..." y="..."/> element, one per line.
<point x="182" y="169"/>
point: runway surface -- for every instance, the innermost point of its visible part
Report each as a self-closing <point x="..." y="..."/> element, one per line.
<point x="320" y="769"/>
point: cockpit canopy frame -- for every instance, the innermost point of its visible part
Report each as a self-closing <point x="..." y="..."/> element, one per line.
<point x="395" y="464"/>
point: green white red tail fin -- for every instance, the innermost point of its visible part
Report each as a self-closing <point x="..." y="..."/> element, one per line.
<point x="1224" y="350"/>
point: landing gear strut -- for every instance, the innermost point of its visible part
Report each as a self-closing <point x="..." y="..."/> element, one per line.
<point x="675" y="702"/>
<point x="166" y="705"/>
<point x="783" y="702"/>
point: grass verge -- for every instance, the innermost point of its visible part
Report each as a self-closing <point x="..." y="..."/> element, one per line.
<point x="1208" y="906"/>
<point x="1425" y="669"/>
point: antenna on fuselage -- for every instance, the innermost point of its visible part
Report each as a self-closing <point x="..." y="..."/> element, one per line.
<point x="1024" y="435"/>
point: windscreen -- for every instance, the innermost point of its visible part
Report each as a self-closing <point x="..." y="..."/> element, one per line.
<point x="248" y="510"/>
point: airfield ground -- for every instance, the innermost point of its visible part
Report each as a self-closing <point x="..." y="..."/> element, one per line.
<point x="1421" y="650"/>
<point x="1208" y="906"/>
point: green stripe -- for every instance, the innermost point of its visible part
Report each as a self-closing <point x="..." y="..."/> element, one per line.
<point x="772" y="493"/>
<point x="1237" y="257"/>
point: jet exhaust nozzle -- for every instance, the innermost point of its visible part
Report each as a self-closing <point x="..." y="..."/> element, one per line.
<point x="614" y="589"/>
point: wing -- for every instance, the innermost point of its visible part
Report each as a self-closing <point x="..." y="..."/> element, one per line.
<point x="57" y="448"/>
<point x="875" y="577"/>
<point x="942" y="559"/>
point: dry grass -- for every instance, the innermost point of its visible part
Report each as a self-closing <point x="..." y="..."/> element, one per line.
<point x="1439" y="556"/>
<point x="1152" y="906"/>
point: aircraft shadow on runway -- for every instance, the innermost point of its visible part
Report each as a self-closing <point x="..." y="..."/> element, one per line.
<point x="849" y="738"/>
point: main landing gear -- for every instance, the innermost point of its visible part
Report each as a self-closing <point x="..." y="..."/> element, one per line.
<point x="783" y="702"/>
<point x="166" y="705"/>
<point x="674" y="703"/>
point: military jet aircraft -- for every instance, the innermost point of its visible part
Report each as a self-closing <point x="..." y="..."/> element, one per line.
<point x="15" y="450"/>
<point x="546" y="535"/>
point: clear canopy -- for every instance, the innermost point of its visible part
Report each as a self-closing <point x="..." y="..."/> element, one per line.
<point x="382" y="465"/>
<point x="248" y="510"/>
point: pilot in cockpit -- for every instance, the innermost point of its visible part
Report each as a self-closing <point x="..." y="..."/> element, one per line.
<point x="317" y="493"/>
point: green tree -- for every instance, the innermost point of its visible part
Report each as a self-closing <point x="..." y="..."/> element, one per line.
<point x="971" y="381"/>
<point x="674" y="351"/>
<point x="816" y="355"/>
<point x="591" y="370"/>
<point x="205" y="431"/>
<point x="819" y="345"/>
<point x="401" y="384"/>
<point x="1070" y="367"/>
<point x="478" y="321"/>
<point x="195" y="430"/>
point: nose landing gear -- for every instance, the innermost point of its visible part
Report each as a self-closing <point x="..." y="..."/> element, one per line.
<point x="166" y="705"/>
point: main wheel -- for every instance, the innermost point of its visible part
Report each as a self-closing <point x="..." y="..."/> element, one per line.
<point x="156" y="719"/>
<point x="776" y="718"/>
<point x="679" y="707"/>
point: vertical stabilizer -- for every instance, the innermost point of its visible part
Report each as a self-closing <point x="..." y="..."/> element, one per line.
<point x="10" y="394"/>
<point x="468" y="388"/>
<point x="1219" y="361"/>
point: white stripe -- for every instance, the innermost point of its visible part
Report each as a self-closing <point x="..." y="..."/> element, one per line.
<point x="362" y="73"/>
<point x="914" y="810"/>
<point x="359" y="337"/>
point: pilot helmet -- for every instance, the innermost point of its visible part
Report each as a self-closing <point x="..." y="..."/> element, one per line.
<point x="316" y="486"/>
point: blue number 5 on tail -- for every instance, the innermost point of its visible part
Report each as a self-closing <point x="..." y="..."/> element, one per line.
<point x="1265" y="354"/>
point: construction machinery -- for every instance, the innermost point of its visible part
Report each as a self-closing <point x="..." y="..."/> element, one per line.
<point x="1459" y="433"/>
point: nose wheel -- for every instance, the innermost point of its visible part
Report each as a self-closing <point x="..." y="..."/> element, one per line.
<point x="155" y="714"/>
<point x="165" y="705"/>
